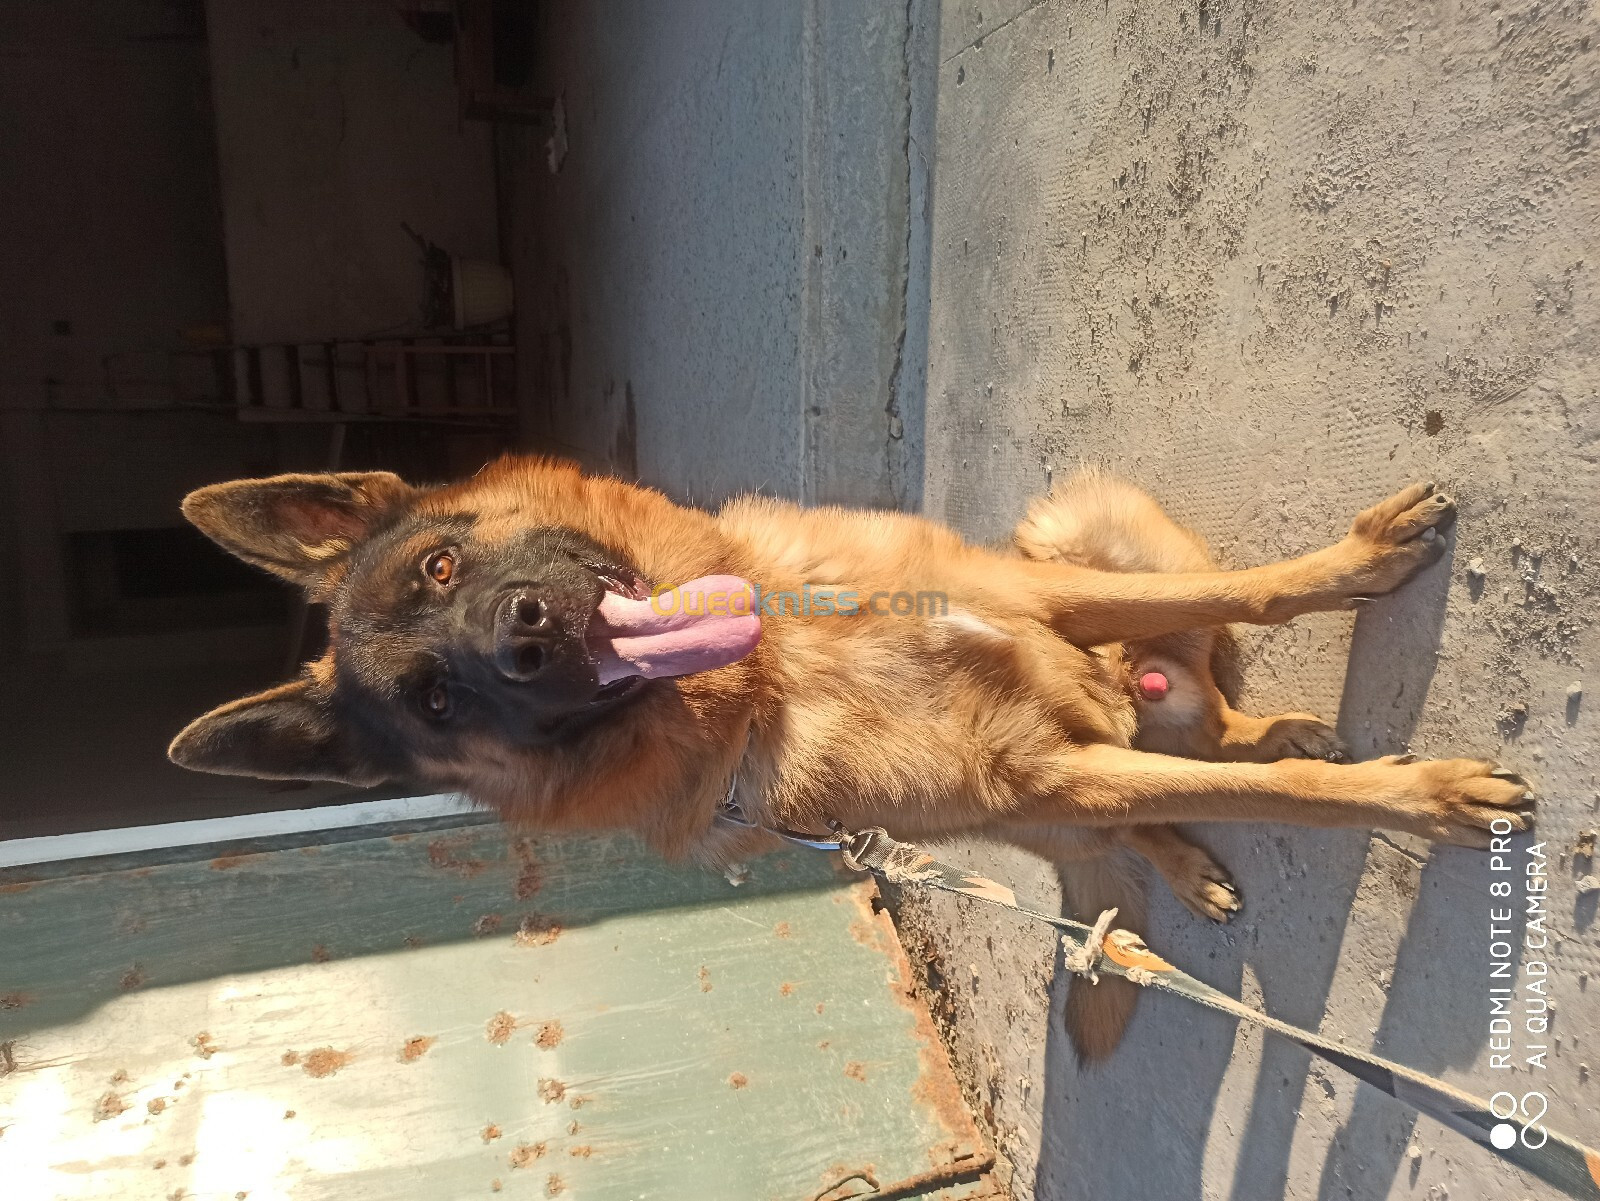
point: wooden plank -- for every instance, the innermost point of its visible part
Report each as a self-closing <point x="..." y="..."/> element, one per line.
<point x="349" y="377"/>
<point x="246" y="376"/>
<point x="280" y="383"/>
<point x="316" y="376"/>
<point x="475" y="416"/>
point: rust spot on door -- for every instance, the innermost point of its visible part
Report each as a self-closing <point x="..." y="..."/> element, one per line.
<point x="416" y="1048"/>
<point x="550" y="1034"/>
<point x="537" y="932"/>
<point x="109" y="1106"/>
<point x="935" y="1089"/>
<point x="442" y="853"/>
<point x="525" y="1155"/>
<point x="325" y="1061"/>
<point x="500" y="1028"/>
<point x="529" y="880"/>
<point x="551" y="1091"/>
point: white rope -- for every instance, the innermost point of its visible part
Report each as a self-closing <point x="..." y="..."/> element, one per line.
<point x="1081" y="960"/>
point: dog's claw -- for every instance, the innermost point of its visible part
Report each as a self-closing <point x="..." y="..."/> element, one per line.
<point x="1505" y="773"/>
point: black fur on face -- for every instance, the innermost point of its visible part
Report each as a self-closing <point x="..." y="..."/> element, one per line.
<point x="495" y="649"/>
<point x="444" y="641"/>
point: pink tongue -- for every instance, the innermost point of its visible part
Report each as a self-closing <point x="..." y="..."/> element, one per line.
<point x="706" y="623"/>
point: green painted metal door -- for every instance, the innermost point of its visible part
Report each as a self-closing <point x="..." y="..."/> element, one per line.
<point x="460" y="1013"/>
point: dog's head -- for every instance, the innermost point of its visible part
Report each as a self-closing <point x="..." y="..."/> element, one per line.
<point x="458" y="618"/>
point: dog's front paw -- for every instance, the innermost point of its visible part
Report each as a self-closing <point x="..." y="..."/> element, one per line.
<point x="1392" y="541"/>
<point x="1465" y="802"/>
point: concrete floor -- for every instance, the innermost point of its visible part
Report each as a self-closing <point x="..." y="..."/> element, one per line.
<point x="1269" y="259"/>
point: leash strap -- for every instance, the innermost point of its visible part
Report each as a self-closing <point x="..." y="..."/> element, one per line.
<point x="1554" y="1158"/>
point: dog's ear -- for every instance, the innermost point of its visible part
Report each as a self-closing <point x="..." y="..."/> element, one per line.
<point x="296" y="526"/>
<point x="282" y="734"/>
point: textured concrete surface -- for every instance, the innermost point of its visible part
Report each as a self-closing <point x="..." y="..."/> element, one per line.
<point x="1272" y="260"/>
<point x="1269" y="259"/>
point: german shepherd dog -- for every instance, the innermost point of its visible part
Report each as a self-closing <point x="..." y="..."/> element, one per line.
<point x="582" y="653"/>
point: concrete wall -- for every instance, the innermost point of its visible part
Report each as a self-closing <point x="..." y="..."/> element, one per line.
<point x="1273" y="260"/>
<point x="337" y="124"/>
<point x="712" y="288"/>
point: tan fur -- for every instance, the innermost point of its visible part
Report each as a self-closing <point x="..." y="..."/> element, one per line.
<point x="1013" y="715"/>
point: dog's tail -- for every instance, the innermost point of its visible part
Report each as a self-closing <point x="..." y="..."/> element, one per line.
<point x="1097" y="520"/>
<point x="1098" y="1014"/>
<point x="1096" y="875"/>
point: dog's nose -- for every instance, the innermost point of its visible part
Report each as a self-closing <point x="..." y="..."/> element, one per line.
<point x="524" y="636"/>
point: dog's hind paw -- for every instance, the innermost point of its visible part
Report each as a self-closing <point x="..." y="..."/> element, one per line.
<point x="1204" y="887"/>
<point x="1390" y="542"/>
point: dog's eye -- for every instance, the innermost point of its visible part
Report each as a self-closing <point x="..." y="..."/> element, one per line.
<point x="436" y="701"/>
<point x="440" y="567"/>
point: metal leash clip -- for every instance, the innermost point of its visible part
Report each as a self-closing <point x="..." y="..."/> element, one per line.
<point x="733" y="813"/>
<point x="864" y="851"/>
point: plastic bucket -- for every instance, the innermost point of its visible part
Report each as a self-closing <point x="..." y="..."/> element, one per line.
<point x="482" y="291"/>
